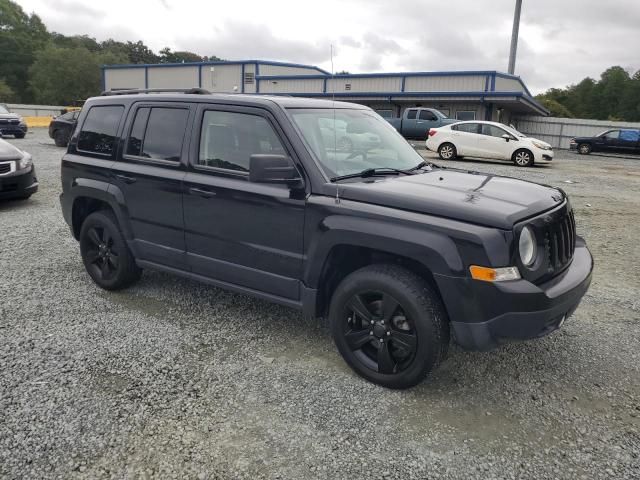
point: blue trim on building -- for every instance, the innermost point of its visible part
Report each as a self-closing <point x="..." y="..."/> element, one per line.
<point x="146" y="78"/>
<point x="493" y="82"/>
<point x="200" y="76"/>
<point x="219" y="62"/>
<point x="402" y="84"/>
<point x="102" y="79"/>
<point x="242" y="78"/>
<point x="256" y="76"/>
<point x="324" y="86"/>
<point x="486" y="83"/>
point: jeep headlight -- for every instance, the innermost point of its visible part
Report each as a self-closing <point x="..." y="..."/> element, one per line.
<point x="527" y="246"/>
<point x="25" y="161"/>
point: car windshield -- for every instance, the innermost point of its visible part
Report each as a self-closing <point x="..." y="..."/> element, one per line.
<point x="439" y="113"/>
<point x="350" y="141"/>
<point x="514" y="132"/>
<point x="3" y="109"/>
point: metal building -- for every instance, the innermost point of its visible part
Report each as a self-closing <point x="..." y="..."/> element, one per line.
<point x="464" y="95"/>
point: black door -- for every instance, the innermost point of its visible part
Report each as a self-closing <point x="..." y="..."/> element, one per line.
<point x="628" y="140"/>
<point x="149" y="174"/>
<point x="609" y="141"/>
<point x="245" y="234"/>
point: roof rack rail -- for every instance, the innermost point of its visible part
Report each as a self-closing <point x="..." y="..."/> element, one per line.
<point x="131" y="91"/>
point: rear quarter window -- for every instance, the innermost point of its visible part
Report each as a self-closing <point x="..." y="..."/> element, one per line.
<point x="99" y="130"/>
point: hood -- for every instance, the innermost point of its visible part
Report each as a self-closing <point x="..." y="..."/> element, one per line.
<point x="473" y="197"/>
<point x="548" y="145"/>
<point x="449" y="121"/>
<point x="10" y="116"/>
<point x="9" y="152"/>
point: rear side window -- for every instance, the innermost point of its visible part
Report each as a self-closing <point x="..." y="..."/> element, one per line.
<point x="98" y="134"/>
<point x="466" y="127"/>
<point x="157" y="133"/>
<point x="229" y="139"/>
<point x="412" y="114"/>
<point x="630" y="135"/>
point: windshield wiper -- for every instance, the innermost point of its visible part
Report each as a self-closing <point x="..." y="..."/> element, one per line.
<point x="422" y="165"/>
<point x="370" y="172"/>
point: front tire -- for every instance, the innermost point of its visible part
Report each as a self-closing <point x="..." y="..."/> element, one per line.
<point x="105" y="253"/>
<point x="19" y="135"/>
<point x="522" y="158"/>
<point x="389" y="325"/>
<point x="584" y="148"/>
<point x="447" y="151"/>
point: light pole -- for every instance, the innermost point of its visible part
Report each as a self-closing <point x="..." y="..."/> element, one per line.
<point x="514" y="37"/>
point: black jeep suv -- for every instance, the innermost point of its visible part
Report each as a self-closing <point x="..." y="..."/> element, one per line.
<point x="247" y="193"/>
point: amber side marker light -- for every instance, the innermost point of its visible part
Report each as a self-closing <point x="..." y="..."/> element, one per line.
<point x="487" y="274"/>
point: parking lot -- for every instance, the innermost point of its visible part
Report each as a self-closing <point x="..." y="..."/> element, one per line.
<point x="174" y="379"/>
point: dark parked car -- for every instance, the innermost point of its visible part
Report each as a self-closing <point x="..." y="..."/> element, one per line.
<point x="61" y="127"/>
<point x="623" y="140"/>
<point x="416" y="122"/>
<point x="246" y="193"/>
<point x="17" y="173"/>
<point x="12" y="123"/>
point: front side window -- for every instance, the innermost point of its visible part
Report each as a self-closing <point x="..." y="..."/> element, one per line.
<point x="492" y="130"/>
<point x="612" y="135"/>
<point x="157" y="133"/>
<point x="427" y="115"/>
<point x="98" y="134"/>
<point x="361" y="139"/>
<point x="228" y="139"/>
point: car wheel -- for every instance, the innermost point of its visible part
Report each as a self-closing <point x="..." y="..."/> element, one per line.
<point x="345" y="144"/>
<point x="60" y="138"/>
<point x="447" y="151"/>
<point x="522" y="158"/>
<point x="584" y="148"/>
<point x="389" y="325"/>
<point x="19" y="135"/>
<point x="105" y="253"/>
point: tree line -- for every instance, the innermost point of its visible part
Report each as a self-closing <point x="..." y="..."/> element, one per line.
<point x="616" y="96"/>
<point x="42" y="67"/>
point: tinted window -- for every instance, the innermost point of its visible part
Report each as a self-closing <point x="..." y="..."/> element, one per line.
<point x="492" y="130"/>
<point x="385" y="113"/>
<point x="467" y="127"/>
<point x="98" y="134"/>
<point x="229" y="139"/>
<point x="412" y="114"/>
<point x="164" y="134"/>
<point x="630" y="135"/>
<point x="613" y="135"/>
<point x="134" y="145"/>
<point x="427" y="115"/>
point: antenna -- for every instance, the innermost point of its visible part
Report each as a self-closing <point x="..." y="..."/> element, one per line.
<point x="335" y="132"/>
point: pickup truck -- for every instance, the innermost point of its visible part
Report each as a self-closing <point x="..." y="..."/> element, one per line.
<point x="246" y="193"/>
<point x="416" y="122"/>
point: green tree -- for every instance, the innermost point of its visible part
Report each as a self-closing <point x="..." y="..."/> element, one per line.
<point x="6" y="94"/>
<point x="136" y="52"/>
<point x="21" y="36"/>
<point x="556" y="108"/>
<point x="62" y="76"/>
<point x="167" y="56"/>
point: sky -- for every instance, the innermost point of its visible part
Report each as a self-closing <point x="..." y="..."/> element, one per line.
<point x="561" y="41"/>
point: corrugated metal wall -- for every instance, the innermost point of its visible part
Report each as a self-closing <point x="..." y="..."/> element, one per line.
<point x="508" y="85"/>
<point x="559" y="131"/>
<point x="266" y="69"/>
<point x="124" y="78"/>
<point x="365" y="85"/>
<point x="222" y="78"/>
<point x="172" y="77"/>
<point x="291" y="86"/>
<point x="455" y="83"/>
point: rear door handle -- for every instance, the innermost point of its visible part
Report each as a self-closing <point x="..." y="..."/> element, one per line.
<point x="202" y="192"/>
<point x="125" y="178"/>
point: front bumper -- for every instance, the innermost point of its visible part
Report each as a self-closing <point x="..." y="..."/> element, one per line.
<point x="12" y="129"/>
<point x="543" y="155"/>
<point x="19" y="183"/>
<point x="484" y="315"/>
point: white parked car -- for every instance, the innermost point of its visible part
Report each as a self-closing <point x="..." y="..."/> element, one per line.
<point x="487" y="140"/>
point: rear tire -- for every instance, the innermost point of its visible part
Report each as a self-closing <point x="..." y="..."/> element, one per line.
<point x="105" y="253"/>
<point x="60" y="138"/>
<point x="19" y="135"/>
<point x="447" y="151"/>
<point x="522" y="158"/>
<point x="389" y="325"/>
<point x="584" y="149"/>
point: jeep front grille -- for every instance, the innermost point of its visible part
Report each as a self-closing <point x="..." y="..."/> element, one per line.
<point x="560" y="242"/>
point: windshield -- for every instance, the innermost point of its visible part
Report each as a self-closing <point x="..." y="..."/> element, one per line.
<point x="439" y="113"/>
<point x="514" y="132"/>
<point x="350" y="141"/>
<point x="3" y="109"/>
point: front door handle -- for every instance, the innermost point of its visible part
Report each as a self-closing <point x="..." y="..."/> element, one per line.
<point x="126" y="178"/>
<point x="202" y="192"/>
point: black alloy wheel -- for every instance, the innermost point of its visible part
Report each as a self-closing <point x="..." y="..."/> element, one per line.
<point x="389" y="325"/>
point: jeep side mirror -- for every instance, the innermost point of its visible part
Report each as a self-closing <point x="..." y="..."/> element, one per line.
<point x="268" y="168"/>
<point x="506" y="136"/>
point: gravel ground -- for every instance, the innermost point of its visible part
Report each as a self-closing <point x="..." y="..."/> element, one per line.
<point x="173" y="379"/>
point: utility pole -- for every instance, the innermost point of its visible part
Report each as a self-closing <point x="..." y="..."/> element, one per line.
<point x="514" y="37"/>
